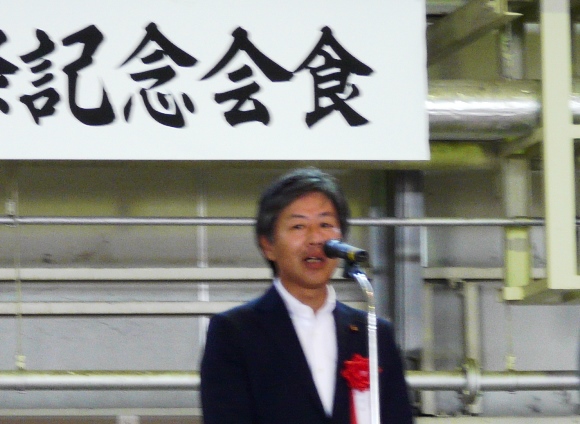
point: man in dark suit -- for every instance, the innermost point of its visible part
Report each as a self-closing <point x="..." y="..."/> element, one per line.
<point x="280" y="358"/>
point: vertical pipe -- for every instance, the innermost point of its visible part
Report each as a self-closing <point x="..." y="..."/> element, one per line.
<point x="428" y="400"/>
<point x="516" y="189"/>
<point x="472" y="332"/>
<point x="381" y="244"/>
<point x="202" y="257"/>
<point x="12" y="206"/>
<point x="409" y="203"/>
<point x="515" y="171"/>
<point x="397" y="262"/>
<point x="511" y="49"/>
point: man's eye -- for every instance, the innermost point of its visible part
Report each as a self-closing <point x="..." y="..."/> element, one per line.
<point x="327" y="225"/>
<point x="297" y="227"/>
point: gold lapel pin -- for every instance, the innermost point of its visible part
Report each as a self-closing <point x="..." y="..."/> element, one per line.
<point x="353" y="327"/>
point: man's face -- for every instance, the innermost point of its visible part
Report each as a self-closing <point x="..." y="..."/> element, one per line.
<point x="300" y="232"/>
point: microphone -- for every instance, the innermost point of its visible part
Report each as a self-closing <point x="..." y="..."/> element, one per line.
<point x="338" y="249"/>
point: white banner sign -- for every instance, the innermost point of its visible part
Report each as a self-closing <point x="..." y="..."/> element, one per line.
<point x="213" y="80"/>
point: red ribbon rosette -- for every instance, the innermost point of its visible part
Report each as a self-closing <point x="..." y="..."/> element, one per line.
<point x="356" y="372"/>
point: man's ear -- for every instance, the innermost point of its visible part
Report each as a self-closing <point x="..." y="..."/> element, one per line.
<point x="267" y="248"/>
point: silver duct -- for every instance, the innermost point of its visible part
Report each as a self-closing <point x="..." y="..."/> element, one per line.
<point x="488" y="110"/>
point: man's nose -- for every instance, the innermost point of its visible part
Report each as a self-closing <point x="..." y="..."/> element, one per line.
<point x="317" y="235"/>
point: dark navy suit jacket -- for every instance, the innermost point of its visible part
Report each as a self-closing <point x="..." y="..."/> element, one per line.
<point x="254" y="370"/>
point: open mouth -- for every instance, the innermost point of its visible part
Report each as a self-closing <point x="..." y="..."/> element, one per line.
<point x="313" y="259"/>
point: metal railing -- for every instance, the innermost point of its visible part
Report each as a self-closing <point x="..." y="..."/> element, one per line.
<point x="461" y="380"/>
<point x="217" y="221"/>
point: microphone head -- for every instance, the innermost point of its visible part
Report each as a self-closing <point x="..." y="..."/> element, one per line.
<point x="329" y="248"/>
<point x="358" y="256"/>
<point x="338" y="249"/>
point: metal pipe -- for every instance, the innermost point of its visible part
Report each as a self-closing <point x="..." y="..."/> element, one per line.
<point x="509" y="381"/>
<point x="467" y="110"/>
<point x="428" y="401"/>
<point x="490" y="110"/>
<point x="190" y="380"/>
<point x="178" y="221"/>
<point x="444" y="222"/>
<point x="487" y="110"/>
<point x="434" y="380"/>
<point x="96" y="220"/>
<point x="472" y="322"/>
<point x="113" y="308"/>
<point x="471" y="316"/>
<point x="198" y="308"/>
<point x="533" y="380"/>
<point x="99" y="380"/>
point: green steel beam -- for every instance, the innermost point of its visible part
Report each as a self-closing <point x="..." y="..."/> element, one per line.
<point x="558" y="146"/>
<point x="464" y="26"/>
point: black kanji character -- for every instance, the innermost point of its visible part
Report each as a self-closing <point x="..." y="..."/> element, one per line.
<point x="243" y="94"/>
<point x="160" y="75"/>
<point x="91" y="37"/>
<point x="42" y="103"/>
<point x="6" y="68"/>
<point x="331" y="79"/>
<point x="273" y="71"/>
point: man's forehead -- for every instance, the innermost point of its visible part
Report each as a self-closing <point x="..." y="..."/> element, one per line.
<point x="310" y="201"/>
<point x="297" y="215"/>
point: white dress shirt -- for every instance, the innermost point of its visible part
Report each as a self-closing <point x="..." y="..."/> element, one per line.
<point x="317" y="335"/>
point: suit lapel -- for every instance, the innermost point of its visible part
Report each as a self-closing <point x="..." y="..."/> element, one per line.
<point x="351" y="338"/>
<point x="278" y="325"/>
<point x="351" y="334"/>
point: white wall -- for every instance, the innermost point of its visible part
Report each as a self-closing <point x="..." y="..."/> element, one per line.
<point x="542" y="337"/>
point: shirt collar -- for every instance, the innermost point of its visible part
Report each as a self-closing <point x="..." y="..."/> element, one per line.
<point x="295" y="307"/>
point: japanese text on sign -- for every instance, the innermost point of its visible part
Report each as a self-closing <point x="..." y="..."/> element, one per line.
<point x="182" y="81"/>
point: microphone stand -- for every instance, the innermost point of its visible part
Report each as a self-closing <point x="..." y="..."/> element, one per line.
<point x="351" y="270"/>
